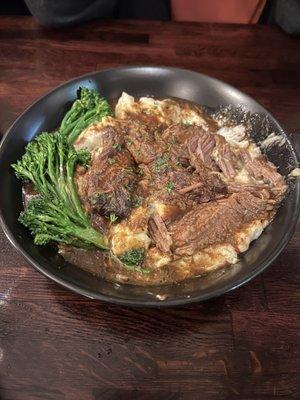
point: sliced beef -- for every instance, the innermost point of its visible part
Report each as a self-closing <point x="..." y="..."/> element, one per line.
<point x="260" y="168"/>
<point x="107" y="187"/>
<point x="191" y="188"/>
<point x="99" y="222"/>
<point x="176" y="133"/>
<point x="240" y="187"/>
<point x="200" y="148"/>
<point x="171" y="183"/>
<point x="225" y="158"/>
<point x="117" y="202"/>
<point x="174" y="184"/>
<point x="190" y="145"/>
<point x="140" y="142"/>
<point x="262" y="191"/>
<point x="250" y="206"/>
<point x="150" y="121"/>
<point x="215" y="222"/>
<point x="159" y="233"/>
<point x="101" y="135"/>
<point x="113" y="137"/>
<point x="208" y="187"/>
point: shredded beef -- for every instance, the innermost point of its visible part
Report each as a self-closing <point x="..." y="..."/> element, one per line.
<point x="159" y="233"/>
<point x="215" y="222"/>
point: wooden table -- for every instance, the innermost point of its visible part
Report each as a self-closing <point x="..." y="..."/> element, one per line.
<point x="57" y="345"/>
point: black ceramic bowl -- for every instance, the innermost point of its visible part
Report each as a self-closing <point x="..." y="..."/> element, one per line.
<point x="46" y="114"/>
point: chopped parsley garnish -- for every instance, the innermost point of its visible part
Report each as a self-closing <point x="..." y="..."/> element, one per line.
<point x="186" y="124"/>
<point x="98" y="198"/>
<point x="117" y="146"/>
<point x="168" y="146"/>
<point x="129" y="186"/>
<point x="169" y="187"/>
<point x="129" y="142"/>
<point x="137" y="200"/>
<point x="140" y="172"/>
<point x="113" y="218"/>
<point x="111" y="161"/>
<point x="161" y="164"/>
<point x="129" y="169"/>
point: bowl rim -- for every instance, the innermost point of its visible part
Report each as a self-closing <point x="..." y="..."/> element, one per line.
<point x="151" y="303"/>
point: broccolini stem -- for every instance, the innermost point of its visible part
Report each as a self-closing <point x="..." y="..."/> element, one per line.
<point x="70" y="166"/>
<point x="81" y="124"/>
<point x="86" y="234"/>
<point x="72" y="114"/>
<point x="92" y="236"/>
<point x="51" y="170"/>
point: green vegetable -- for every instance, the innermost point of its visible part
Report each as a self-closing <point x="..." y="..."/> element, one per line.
<point x="186" y="124"/>
<point x="113" y="218"/>
<point x="117" y="146"/>
<point x="161" y="164"/>
<point x="56" y="215"/>
<point x="88" y="109"/>
<point x="169" y="187"/>
<point x="137" y="200"/>
<point x="133" y="257"/>
<point x="129" y="169"/>
<point x="111" y="161"/>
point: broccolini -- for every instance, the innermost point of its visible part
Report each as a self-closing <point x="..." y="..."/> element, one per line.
<point x="89" y="108"/>
<point x="133" y="257"/>
<point x="56" y="215"/>
<point x="49" y="163"/>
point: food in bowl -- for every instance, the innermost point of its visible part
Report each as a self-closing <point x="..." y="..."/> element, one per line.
<point x="147" y="191"/>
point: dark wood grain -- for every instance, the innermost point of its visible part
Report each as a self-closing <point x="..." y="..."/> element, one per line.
<point x="56" y="345"/>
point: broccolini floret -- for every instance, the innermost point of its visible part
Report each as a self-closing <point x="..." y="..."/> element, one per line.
<point x="89" y="108"/>
<point x="133" y="260"/>
<point x="57" y="215"/>
<point x="133" y="257"/>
